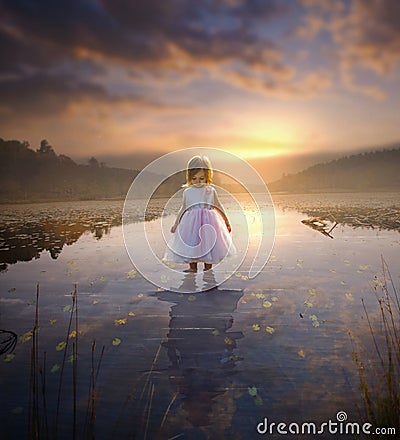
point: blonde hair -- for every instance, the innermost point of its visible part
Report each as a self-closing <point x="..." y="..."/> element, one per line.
<point x="196" y="164"/>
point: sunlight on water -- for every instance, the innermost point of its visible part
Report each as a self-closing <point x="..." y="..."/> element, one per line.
<point x="215" y="362"/>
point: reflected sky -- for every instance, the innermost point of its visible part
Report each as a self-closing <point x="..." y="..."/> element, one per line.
<point x="212" y="362"/>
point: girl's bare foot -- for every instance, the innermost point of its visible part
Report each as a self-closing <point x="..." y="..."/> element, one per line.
<point x="192" y="267"/>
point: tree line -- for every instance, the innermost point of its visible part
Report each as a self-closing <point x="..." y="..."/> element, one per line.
<point x="42" y="175"/>
<point x="370" y="171"/>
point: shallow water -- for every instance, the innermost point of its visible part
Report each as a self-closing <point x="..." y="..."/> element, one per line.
<point x="209" y="365"/>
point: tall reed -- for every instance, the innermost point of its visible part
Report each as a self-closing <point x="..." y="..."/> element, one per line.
<point x="39" y="423"/>
<point x="379" y="371"/>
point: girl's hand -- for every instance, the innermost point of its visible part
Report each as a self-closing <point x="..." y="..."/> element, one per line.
<point x="173" y="228"/>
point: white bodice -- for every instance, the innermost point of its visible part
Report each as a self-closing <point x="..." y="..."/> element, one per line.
<point x="199" y="196"/>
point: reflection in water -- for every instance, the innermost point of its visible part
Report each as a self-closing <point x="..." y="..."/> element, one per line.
<point x="28" y="230"/>
<point x="26" y="241"/>
<point x="201" y="352"/>
<point x="201" y="281"/>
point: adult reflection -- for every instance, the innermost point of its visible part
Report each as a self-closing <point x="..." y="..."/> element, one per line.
<point x="202" y="355"/>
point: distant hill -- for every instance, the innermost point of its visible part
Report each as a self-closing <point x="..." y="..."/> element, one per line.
<point x="42" y="175"/>
<point x="372" y="171"/>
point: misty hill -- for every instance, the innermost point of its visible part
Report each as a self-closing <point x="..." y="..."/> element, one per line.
<point x="42" y="175"/>
<point x="372" y="171"/>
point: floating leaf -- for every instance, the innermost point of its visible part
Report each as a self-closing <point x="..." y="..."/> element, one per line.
<point x="258" y="401"/>
<point x="238" y="274"/>
<point x="308" y="303"/>
<point x="72" y="334"/>
<point x="164" y="278"/>
<point x="301" y="353"/>
<point x="60" y="346"/>
<point x="102" y="279"/>
<point x="67" y="308"/>
<point x="267" y="304"/>
<point x="244" y="277"/>
<point x="95" y="302"/>
<point x="270" y="330"/>
<point x="55" y="368"/>
<point x="140" y="295"/>
<point x="243" y="301"/>
<point x="252" y="391"/>
<point x="260" y="296"/>
<point x="312" y="292"/>
<point x="9" y="357"/>
<point x="72" y="358"/>
<point x="116" y="342"/>
<point x="26" y="336"/>
<point x="332" y="270"/>
<point x="314" y="320"/>
<point x="118" y="322"/>
<point x="349" y="296"/>
<point x="228" y="341"/>
<point x="256" y="327"/>
<point x="53" y="321"/>
<point x="131" y="314"/>
<point x="192" y="298"/>
<point x="131" y="274"/>
<point x="274" y="299"/>
<point x="215" y="332"/>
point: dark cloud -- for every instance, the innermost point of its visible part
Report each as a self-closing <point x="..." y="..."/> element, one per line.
<point x="44" y="44"/>
<point x="365" y="35"/>
<point x="37" y="37"/>
<point x="140" y="30"/>
<point x="45" y="95"/>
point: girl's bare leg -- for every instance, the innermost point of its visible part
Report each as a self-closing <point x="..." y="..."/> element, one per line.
<point x="192" y="267"/>
<point x="207" y="266"/>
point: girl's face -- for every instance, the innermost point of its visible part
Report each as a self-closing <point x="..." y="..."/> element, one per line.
<point x="199" y="178"/>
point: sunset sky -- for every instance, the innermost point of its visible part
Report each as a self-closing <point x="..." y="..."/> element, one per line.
<point x="261" y="78"/>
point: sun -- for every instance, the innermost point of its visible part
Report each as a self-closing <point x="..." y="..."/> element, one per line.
<point x="266" y="139"/>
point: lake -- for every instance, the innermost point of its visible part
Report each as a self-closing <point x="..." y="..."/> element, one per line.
<point x="206" y="365"/>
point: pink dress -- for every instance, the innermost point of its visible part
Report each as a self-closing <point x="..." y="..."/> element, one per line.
<point x="201" y="235"/>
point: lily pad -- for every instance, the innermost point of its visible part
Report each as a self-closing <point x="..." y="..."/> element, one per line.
<point x="9" y="357"/>
<point x="61" y="345"/>
<point x="26" y="336"/>
<point x="55" y="368"/>
<point x="131" y="274"/>
<point x="252" y="391"/>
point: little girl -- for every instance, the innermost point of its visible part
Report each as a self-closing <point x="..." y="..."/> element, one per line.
<point x="201" y="229"/>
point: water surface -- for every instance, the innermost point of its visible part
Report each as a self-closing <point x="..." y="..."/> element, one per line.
<point x="209" y="365"/>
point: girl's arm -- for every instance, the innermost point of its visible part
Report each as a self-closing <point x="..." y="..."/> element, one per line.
<point x="220" y="208"/>
<point x="180" y="213"/>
